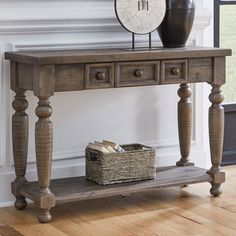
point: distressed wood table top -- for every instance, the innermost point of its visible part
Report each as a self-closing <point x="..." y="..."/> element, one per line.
<point x="105" y="55"/>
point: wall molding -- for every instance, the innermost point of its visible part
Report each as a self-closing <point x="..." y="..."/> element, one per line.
<point x="83" y="44"/>
<point x="57" y="20"/>
<point x="79" y="153"/>
<point x="61" y="20"/>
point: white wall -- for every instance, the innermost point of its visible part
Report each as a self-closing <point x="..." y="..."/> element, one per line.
<point x="208" y="36"/>
<point x="145" y="114"/>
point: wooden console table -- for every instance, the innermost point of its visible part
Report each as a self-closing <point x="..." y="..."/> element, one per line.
<point x="47" y="72"/>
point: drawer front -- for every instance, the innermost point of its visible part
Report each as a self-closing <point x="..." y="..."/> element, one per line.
<point x="99" y="76"/>
<point x="200" y="70"/>
<point x="174" y="71"/>
<point x="69" y="77"/>
<point x="137" y="73"/>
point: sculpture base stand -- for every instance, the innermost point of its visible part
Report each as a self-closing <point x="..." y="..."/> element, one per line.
<point x="150" y="41"/>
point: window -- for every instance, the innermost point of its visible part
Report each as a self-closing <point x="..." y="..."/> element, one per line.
<point x="225" y="37"/>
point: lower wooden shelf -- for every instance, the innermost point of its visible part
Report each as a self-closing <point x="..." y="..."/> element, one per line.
<point x="79" y="188"/>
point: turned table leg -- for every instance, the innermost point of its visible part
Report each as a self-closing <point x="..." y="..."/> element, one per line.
<point x="184" y="124"/>
<point x="43" y="143"/>
<point x="20" y="145"/>
<point x="216" y="135"/>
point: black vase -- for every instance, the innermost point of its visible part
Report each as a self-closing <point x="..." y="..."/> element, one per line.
<point x="177" y="24"/>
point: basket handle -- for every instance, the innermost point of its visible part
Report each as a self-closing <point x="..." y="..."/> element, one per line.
<point x="93" y="157"/>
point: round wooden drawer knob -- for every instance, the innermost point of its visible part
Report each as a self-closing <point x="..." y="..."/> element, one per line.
<point x="175" y="71"/>
<point x="139" y="73"/>
<point x="101" y="76"/>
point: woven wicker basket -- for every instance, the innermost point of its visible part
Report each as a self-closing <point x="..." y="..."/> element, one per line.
<point x="136" y="163"/>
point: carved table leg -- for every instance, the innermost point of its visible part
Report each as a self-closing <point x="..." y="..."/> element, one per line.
<point x="43" y="142"/>
<point x="184" y="124"/>
<point x="216" y="135"/>
<point x="20" y="145"/>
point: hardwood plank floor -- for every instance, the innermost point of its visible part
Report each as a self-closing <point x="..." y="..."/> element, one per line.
<point x="164" y="212"/>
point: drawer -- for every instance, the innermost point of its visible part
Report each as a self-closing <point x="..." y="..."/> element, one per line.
<point x="137" y="73"/>
<point x="69" y="77"/>
<point x="200" y="70"/>
<point x="99" y="76"/>
<point x="174" y="71"/>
